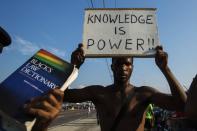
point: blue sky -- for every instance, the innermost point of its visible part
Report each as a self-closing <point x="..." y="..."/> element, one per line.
<point x="58" y="25"/>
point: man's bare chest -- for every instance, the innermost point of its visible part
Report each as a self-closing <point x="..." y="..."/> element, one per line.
<point x="110" y="106"/>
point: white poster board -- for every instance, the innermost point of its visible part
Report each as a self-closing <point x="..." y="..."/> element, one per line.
<point x="120" y="32"/>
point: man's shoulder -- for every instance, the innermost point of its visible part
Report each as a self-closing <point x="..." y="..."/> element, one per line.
<point x="90" y="88"/>
<point x="101" y="88"/>
<point x="94" y="87"/>
<point x="97" y="90"/>
<point x="147" y="89"/>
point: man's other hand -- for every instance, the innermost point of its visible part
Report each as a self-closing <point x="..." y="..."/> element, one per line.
<point x="161" y="58"/>
<point x="78" y="57"/>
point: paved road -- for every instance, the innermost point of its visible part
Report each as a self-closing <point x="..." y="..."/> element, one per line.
<point x="75" y="121"/>
<point x="70" y="115"/>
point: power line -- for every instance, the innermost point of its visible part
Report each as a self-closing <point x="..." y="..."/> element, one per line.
<point x="103" y="3"/>
<point x="88" y="3"/>
<point x="92" y="3"/>
<point x="110" y="74"/>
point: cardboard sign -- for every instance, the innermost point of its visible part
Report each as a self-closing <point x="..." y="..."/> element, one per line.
<point x="120" y="32"/>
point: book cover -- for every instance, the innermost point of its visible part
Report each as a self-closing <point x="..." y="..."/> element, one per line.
<point x="41" y="73"/>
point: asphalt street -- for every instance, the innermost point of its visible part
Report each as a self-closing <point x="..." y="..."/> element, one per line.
<point x="75" y="120"/>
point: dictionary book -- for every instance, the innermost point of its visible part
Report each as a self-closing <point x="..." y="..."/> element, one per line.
<point x="41" y="73"/>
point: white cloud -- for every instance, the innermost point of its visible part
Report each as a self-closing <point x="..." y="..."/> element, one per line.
<point x="26" y="47"/>
<point x="56" y="51"/>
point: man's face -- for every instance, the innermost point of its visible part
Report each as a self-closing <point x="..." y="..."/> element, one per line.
<point x="122" y="69"/>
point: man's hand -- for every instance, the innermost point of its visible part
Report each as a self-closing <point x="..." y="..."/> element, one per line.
<point x="45" y="108"/>
<point x="161" y="58"/>
<point x="77" y="57"/>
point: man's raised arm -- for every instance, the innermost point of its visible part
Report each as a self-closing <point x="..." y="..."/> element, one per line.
<point x="178" y="98"/>
<point x="86" y="93"/>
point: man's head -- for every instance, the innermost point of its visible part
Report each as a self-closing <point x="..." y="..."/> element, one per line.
<point x="5" y="39"/>
<point x="122" y="68"/>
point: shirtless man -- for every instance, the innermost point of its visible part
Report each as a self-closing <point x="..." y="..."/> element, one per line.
<point x="109" y="100"/>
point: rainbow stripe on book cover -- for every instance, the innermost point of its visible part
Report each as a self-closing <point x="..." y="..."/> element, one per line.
<point x="51" y="59"/>
<point x="42" y="72"/>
